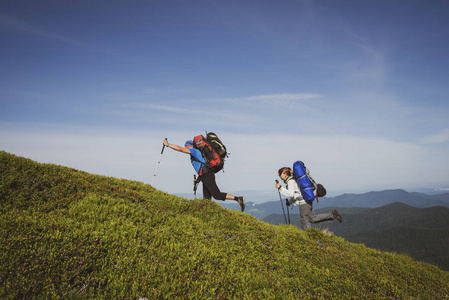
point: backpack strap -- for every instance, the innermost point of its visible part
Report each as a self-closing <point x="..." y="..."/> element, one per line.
<point x="292" y="177"/>
<point x="203" y="170"/>
<point x="288" y="178"/>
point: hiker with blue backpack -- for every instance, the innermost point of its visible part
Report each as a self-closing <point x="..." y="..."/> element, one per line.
<point x="206" y="162"/>
<point x="302" y="190"/>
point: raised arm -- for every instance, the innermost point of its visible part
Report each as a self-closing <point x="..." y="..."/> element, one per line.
<point x="176" y="147"/>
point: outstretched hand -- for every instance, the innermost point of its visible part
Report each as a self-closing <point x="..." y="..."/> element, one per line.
<point x="176" y="147"/>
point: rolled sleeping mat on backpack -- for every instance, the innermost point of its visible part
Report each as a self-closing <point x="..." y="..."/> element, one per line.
<point x="305" y="185"/>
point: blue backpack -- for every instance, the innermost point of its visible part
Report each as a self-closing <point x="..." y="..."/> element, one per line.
<point x="306" y="183"/>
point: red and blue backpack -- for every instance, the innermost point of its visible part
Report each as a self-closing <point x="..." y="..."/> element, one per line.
<point x="213" y="151"/>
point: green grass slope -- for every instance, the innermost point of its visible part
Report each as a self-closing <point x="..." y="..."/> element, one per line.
<point x="70" y="234"/>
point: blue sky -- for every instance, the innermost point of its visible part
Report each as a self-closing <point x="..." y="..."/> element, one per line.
<point x="356" y="89"/>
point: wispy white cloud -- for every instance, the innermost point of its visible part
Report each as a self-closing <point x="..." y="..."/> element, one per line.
<point x="151" y="106"/>
<point x="271" y="98"/>
<point x="368" y="69"/>
<point x="175" y="108"/>
<point x="185" y="114"/>
<point x="283" y="97"/>
<point x="341" y="163"/>
<point x="441" y="137"/>
<point x="338" y="161"/>
<point x="232" y="112"/>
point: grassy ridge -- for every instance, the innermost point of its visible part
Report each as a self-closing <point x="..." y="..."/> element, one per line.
<point x="70" y="234"/>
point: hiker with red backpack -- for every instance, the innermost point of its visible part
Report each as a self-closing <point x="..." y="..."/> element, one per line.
<point x="206" y="162"/>
<point x="302" y="195"/>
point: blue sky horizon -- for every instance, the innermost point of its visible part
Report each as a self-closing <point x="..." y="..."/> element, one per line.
<point x="358" y="90"/>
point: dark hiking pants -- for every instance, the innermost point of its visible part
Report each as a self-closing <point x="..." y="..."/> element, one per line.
<point x="210" y="188"/>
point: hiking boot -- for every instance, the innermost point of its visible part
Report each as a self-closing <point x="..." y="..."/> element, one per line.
<point x="337" y="215"/>
<point x="241" y="201"/>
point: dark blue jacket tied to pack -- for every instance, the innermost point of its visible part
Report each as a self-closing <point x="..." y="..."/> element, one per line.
<point x="309" y="188"/>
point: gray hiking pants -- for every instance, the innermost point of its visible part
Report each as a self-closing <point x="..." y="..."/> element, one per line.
<point x="308" y="215"/>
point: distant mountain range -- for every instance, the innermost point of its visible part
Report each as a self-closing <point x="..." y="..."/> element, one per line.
<point x="366" y="200"/>
<point x="377" y="199"/>
<point x="422" y="233"/>
<point x="391" y="220"/>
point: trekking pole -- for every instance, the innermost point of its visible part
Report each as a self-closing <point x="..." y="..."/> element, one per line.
<point x="282" y="204"/>
<point x="194" y="185"/>
<point x="158" y="163"/>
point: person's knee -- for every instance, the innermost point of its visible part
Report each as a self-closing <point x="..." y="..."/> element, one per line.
<point x="219" y="196"/>
<point x="313" y="219"/>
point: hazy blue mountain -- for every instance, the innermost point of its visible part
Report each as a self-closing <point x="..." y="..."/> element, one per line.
<point x="356" y="220"/>
<point x="424" y="244"/>
<point x="422" y="233"/>
<point x="390" y="216"/>
<point x="377" y="199"/>
<point x="366" y="200"/>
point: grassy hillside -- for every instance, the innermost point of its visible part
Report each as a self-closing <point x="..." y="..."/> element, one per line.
<point x="70" y="234"/>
